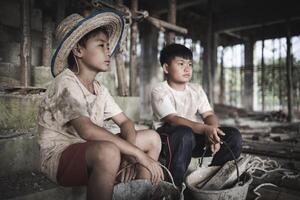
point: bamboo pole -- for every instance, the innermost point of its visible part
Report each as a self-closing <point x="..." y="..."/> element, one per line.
<point x="25" y="51"/>
<point x="120" y="66"/>
<point x="133" y="51"/>
<point x="162" y="25"/>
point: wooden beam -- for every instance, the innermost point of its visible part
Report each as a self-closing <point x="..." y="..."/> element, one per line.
<point x="181" y="6"/>
<point x="25" y="51"/>
<point x="275" y="149"/>
<point x="163" y="25"/>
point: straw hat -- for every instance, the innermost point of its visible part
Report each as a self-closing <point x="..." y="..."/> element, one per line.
<point x="74" y="27"/>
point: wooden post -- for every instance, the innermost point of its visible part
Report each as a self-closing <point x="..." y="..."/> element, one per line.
<point x="120" y="65"/>
<point x="171" y="19"/>
<point x="248" y="75"/>
<point x="133" y="51"/>
<point x="222" y="80"/>
<point x="25" y="51"/>
<point x="121" y="74"/>
<point x="289" y="71"/>
<point x="47" y="40"/>
<point x="262" y="75"/>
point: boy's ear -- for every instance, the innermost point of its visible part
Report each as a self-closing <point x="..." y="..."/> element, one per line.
<point x="165" y="68"/>
<point x="77" y="51"/>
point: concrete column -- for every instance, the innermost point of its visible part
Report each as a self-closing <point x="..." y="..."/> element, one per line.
<point x="289" y="66"/>
<point x="209" y="56"/>
<point x="25" y="51"/>
<point x="47" y="40"/>
<point x="149" y="68"/>
<point x="172" y="19"/>
<point x="247" y="98"/>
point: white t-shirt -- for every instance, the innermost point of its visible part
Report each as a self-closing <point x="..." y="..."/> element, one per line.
<point x="188" y="104"/>
<point x="65" y="99"/>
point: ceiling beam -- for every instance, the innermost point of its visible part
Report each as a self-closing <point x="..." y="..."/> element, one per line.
<point x="181" y="6"/>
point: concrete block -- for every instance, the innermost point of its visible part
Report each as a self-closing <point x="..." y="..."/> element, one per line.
<point x="19" y="153"/>
<point x="57" y="193"/>
<point x="18" y="111"/>
<point x="42" y="76"/>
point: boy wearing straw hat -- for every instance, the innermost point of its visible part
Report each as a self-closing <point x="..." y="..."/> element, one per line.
<point x="181" y="111"/>
<point x="75" y="148"/>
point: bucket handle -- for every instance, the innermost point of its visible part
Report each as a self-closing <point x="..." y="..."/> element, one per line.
<point x="233" y="156"/>
<point x="166" y="169"/>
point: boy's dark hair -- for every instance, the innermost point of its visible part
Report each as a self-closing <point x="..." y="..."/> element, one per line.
<point x="171" y="51"/>
<point x="82" y="42"/>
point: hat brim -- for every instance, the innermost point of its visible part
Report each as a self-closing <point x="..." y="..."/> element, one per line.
<point x="113" y="23"/>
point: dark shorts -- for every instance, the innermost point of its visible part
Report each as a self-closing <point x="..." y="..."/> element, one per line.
<point x="72" y="167"/>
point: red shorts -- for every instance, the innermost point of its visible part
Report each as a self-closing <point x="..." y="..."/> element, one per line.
<point x="72" y="168"/>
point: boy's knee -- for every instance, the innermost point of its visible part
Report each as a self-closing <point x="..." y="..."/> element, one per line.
<point x="185" y="136"/>
<point x="102" y="152"/>
<point x="155" y="140"/>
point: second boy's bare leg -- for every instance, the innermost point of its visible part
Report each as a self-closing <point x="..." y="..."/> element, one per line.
<point x="149" y="142"/>
<point x="102" y="169"/>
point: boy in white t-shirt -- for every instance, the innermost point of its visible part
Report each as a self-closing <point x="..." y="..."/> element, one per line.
<point x="182" y="112"/>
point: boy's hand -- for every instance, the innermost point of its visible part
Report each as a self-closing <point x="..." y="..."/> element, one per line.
<point x="212" y="134"/>
<point x="128" y="173"/>
<point x="215" y="148"/>
<point x="153" y="166"/>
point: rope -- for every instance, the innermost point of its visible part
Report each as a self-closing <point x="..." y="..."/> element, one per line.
<point x="267" y="167"/>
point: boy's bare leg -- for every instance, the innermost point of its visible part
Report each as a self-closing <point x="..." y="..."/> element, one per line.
<point x="103" y="169"/>
<point x="148" y="141"/>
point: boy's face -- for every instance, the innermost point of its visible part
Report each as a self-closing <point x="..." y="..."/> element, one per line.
<point x="179" y="70"/>
<point x="96" y="54"/>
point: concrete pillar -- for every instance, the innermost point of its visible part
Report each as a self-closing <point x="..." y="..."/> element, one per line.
<point x="289" y="66"/>
<point x="25" y="51"/>
<point x="209" y="56"/>
<point x="47" y="40"/>
<point x="222" y="80"/>
<point x="172" y="19"/>
<point x="149" y="67"/>
<point x="247" y="98"/>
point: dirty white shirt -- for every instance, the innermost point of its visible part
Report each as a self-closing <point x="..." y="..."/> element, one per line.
<point x="189" y="103"/>
<point x="66" y="99"/>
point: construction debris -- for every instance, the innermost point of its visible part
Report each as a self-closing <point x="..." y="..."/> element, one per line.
<point x="227" y="175"/>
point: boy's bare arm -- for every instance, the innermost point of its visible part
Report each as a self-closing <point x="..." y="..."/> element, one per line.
<point x="210" y="118"/>
<point x="128" y="131"/>
<point x="210" y="131"/>
<point x="91" y="132"/>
